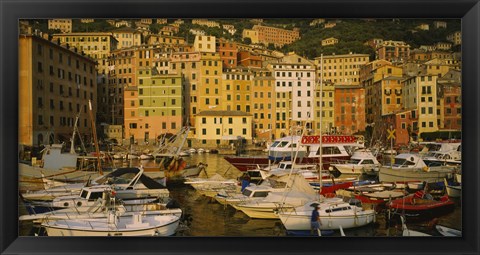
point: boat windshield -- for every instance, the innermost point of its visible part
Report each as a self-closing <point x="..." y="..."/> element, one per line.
<point x="433" y="147"/>
<point x="246" y="192"/>
<point x="282" y="144"/>
<point x="275" y="144"/>
<point x="403" y="162"/>
<point x="354" y="161"/>
<point x="84" y="194"/>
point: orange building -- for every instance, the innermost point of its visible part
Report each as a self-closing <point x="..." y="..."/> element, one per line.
<point x="54" y="85"/>
<point x="246" y="58"/>
<point x="450" y="93"/>
<point x="276" y="36"/>
<point x="228" y="53"/>
<point x="394" y="51"/>
<point x="349" y="107"/>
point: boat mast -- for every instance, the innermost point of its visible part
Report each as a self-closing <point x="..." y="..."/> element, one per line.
<point x="97" y="150"/>
<point x="320" y="127"/>
<point x="72" y="140"/>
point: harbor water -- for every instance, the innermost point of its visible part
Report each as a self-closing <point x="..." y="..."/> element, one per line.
<point x="203" y="216"/>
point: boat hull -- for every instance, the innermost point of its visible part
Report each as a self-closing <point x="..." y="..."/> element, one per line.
<point x="421" y="209"/>
<point x="92" y="228"/>
<point x="297" y="222"/>
<point x="388" y="174"/>
<point x="244" y="163"/>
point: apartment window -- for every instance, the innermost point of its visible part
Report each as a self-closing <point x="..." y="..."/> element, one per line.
<point x="40" y="67"/>
<point x="230" y="120"/>
<point x="173" y="125"/>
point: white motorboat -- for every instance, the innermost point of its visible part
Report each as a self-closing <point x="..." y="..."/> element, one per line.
<point x="297" y="192"/>
<point x="134" y="225"/>
<point x="250" y="193"/>
<point x="100" y="209"/>
<point x="211" y="186"/>
<point x="89" y="196"/>
<point x="192" y="151"/>
<point x="410" y="167"/>
<point x="266" y="208"/>
<point x="200" y="150"/>
<point x="362" y="161"/>
<point x="439" y="158"/>
<point x="446" y="231"/>
<point x="334" y="214"/>
<point x="128" y="183"/>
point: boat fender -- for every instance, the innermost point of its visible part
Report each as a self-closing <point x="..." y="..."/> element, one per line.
<point x="426" y="169"/>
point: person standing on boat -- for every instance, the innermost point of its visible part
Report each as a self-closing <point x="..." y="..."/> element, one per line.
<point x="245" y="181"/>
<point x="315" y="219"/>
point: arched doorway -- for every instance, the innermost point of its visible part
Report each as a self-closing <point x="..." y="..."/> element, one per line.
<point x="39" y="139"/>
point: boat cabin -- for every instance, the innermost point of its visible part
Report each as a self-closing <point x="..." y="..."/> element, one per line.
<point x="407" y="160"/>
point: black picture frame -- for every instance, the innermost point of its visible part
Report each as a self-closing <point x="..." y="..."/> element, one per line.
<point x="11" y="11"/>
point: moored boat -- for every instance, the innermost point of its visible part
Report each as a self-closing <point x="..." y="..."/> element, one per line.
<point x="362" y="161"/>
<point x="135" y="225"/>
<point x="410" y="167"/>
<point x="421" y="206"/>
<point x="334" y="214"/>
<point x="306" y="149"/>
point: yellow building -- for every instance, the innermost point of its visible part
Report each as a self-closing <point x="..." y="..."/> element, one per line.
<point x="164" y="39"/>
<point x="127" y="37"/>
<point x="217" y="127"/>
<point x="327" y="101"/>
<point x="236" y="90"/>
<point x="342" y="69"/>
<point x="252" y="34"/>
<point x="205" y="22"/>
<point x="204" y="43"/>
<point x="158" y="107"/>
<point x="97" y="45"/>
<point x="209" y="87"/>
<point x="374" y="90"/>
<point x="55" y="84"/>
<point x="420" y="96"/>
<point x="455" y="38"/>
<point x="440" y="66"/>
<point x="329" y="41"/>
<point x="263" y="104"/>
<point x="64" y="25"/>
